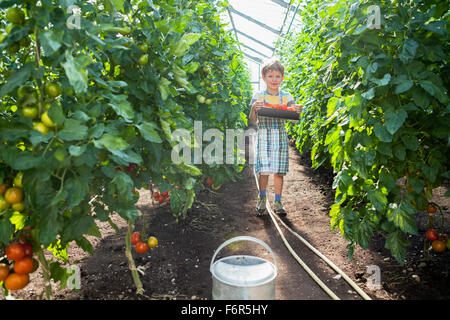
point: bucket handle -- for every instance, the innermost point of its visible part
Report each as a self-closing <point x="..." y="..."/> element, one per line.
<point x="241" y="238"/>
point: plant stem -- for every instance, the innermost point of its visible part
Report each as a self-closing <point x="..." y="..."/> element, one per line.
<point x="46" y="272"/>
<point x="131" y="265"/>
<point x="38" y="65"/>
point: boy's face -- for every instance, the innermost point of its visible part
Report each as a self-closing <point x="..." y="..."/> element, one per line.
<point x="273" y="79"/>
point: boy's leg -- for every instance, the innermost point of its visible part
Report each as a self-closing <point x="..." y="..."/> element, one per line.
<point x="263" y="181"/>
<point x="261" y="202"/>
<point x="278" y="183"/>
<point x="278" y="186"/>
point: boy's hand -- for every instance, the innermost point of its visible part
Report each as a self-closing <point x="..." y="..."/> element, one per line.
<point x="298" y="108"/>
<point x="257" y="105"/>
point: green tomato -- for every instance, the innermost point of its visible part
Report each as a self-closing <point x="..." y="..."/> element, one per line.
<point x="201" y="98"/>
<point x="26" y="90"/>
<point x="3" y="203"/>
<point x="17" y="182"/>
<point x="14" y="48"/>
<point x="60" y="154"/>
<point x="30" y="112"/>
<point x="447" y="243"/>
<point x="143" y="60"/>
<point x="52" y="89"/>
<point x="46" y="120"/>
<point x="42" y="128"/>
<point x="143" y="47"/>
<point x="15" y="15"/>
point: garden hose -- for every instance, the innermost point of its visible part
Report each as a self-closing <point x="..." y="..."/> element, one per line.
<point x="317" y="252"/>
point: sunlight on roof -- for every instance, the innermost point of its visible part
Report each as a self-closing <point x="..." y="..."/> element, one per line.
<point x="257" y="25"/>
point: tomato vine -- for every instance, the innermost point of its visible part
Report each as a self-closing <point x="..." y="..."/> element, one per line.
<point x="90" y="97"/>
<point x="376" y="110"/>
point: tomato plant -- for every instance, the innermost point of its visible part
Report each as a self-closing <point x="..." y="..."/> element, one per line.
<point x="88" y="112"/>
<point x="376" y="110"/>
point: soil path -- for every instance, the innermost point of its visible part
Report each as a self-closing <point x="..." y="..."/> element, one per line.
<point x="179" y="267"/>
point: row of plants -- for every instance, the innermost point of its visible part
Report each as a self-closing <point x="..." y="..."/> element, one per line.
<point x="374" y="77"/>
<point x="91" y="93"/>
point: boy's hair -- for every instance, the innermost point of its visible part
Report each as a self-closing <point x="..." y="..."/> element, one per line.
<point x="272" y="64"/>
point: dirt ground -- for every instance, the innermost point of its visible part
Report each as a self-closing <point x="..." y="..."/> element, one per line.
<point x="178" y="268"/>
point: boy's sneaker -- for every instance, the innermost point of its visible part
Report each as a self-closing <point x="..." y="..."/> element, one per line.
<point x="261" y="205"/>
<point x="279" y="209"/>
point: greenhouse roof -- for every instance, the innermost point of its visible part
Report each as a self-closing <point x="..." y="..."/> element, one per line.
<point x="259" y="24"/>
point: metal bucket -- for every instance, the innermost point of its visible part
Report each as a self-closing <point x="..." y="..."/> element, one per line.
<point x="243" y="277"/>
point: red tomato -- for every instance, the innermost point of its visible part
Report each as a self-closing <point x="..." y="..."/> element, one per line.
<point x="4" y="271"/>
<point x="15" y="251"/>
<point x="141" y="247"/>
<point x="431" y="234"/>
<point x="431" y="209"/>
<point x="135" y="237"/>
<point x="16" y="281"/>
<point x="24" y="265"/>
<point x="28" y="249"/>
<point x="438" y="246"/>
<point x="165" y="193"/>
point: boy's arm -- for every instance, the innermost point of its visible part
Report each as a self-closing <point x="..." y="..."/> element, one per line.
<point x="255" y="105"/>
<point x="253" y="116"/>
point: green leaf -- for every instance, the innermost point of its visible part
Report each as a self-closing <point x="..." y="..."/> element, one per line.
<point x="381" y="133"/>
<point x="59" y="251"/>
<point x="17" y="79"/>
<point x="56" y="113"/>
<point x="6" y="230"/>
<point x="189" y="169"/>
<point x="20" y="160"/>
<point x="410" y="142"/>
<point x="417" y="184"/>
<point x="84" y="244"/>
<point x="403" y="217"/>
<point x="77" y="189"/>
<point x="121" y="105"/>
<point x="125" y="157"/>
<point x="149" y="133"/>
<point x="383" y="81"/>
<point x="397" y="245"/>
<point x="404" y="86"/>
<point x="49" y="226"/>
<point x="78" y="225"/>
<point x="73" y="130"/>
<point x="409" y="50"/>
<point x="394" y="120"/>
<point x="387" y="180"/>
<point x="166" y="128"/>
<point x="369" y="95"/>
<point x="400" y="152"/>
<point x="118" y="4"/>
<point x="363" y="233"/>
<point x="51" y="40"/>
<point x="378" y="199"/>
<point x="58" y="273"/>
<point x="191" y="38"/>
<point x="111" y="142"/>
<point x="76" y="71"/>
<point x="332" y="105"/>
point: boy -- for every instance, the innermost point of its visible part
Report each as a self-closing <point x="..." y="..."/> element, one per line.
<point x="272" y="150"/>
